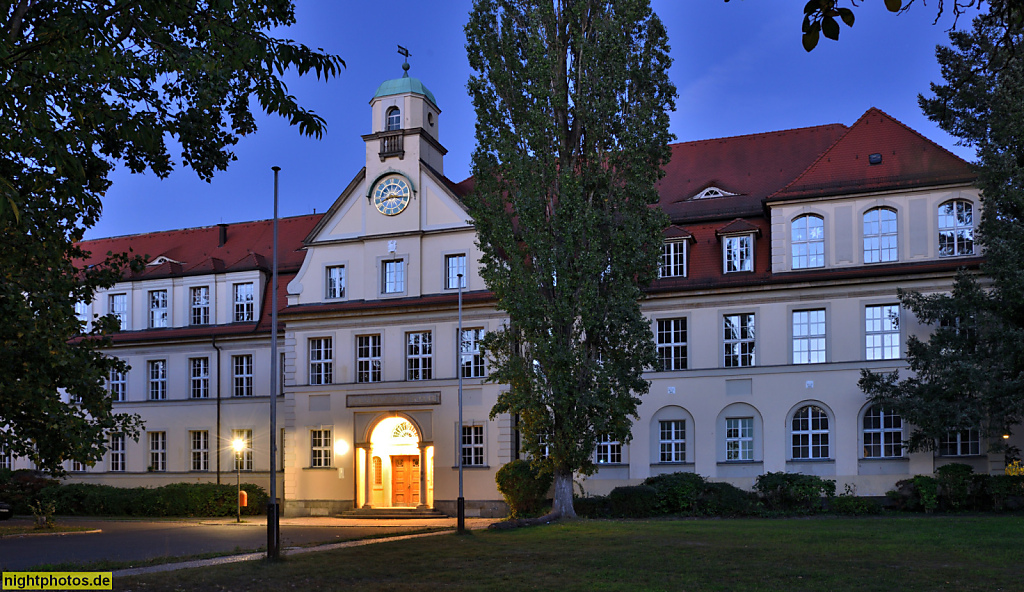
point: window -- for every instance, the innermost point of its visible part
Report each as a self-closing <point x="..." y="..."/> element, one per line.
<point x="671" y="344"/>
<point x="738" y="340"/>
<point x="543" y="446"/>
<point x="199" y="299"/>
<point x="672" y="441"/>
<point x="808" y="242"/>
<point x="241" y="374"/>
<point x="883" y="434"/>
<point x="157" y="380"/>
<point x="199" y="378"/>
<point x="158" y="451"/>
<point x="117" y="305"/>
<point x="378" y="471"/>
<point x="77" y="466"/>
<point x="199" y="441"/>
<point x="418" y="356"/>
<point x="157" y="308"/>
<point x="882" y="332"/>
<point x="243" y="303"/>
<point x="394" y="120"/>
<point x="739" y="438"/>
<point x="673" y="259"/>
<point x="243" y="460"/>
<point x="321" y="360"/>
<point x="6" y="460"/>
<point x="809" y="336"/>
<point x="472" y="361"/>
<point x="956" y="228"/>
<point x="393" y="276"/>
<point x="880" y="235"/>
<point x="472" y="445"/>
<point x="960" y="443"/>
<point x="609" y="450"/>
<point x="454" y="265"/>
<point x="368" y="358"/>
<point x="117" y="453"/>
<point x="335" y="282"/>
<point x="82" y="314"/>
<point x="739" y="253"/>
<point x="810" y="433"/>
<point x="322" y="448"/>
<point x="117" y="383"/>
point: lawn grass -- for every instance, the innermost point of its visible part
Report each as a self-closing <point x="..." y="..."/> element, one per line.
<point x="886" y="553"/>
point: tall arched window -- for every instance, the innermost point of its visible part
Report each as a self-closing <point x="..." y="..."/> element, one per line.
<point x="880" y="235"/>
<point x="956" y="228"/>
<point x="808" y="242"/>
<point x="810" y="433"/>
<point x="394" y="119"/>
<point x="882" y="433"/>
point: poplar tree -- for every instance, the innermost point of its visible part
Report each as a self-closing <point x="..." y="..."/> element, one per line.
<point x="572" y="100"/>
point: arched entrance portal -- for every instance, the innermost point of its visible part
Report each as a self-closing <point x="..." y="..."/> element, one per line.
<point x="398" y="466"/>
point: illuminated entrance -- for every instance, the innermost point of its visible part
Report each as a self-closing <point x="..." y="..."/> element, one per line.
<point x="397" y="466"/>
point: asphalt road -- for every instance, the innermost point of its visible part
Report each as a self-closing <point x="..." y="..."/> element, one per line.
<point x="123" y="540"/>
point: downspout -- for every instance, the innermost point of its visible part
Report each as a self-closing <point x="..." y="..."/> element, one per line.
<point x="217" y="440"/>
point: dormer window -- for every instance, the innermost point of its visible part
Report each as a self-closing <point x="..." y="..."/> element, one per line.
<point x="393" y="120"/>
<point x="738" y="253"/>
<point x="712" y="192"/>
<point x="673" y="259"/>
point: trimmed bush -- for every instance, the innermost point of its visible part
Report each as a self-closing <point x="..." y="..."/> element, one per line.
<point x="524" y="487"/>
<point x="793" y="492"/>
<point x="591" y="507"/>
<point x="678" y="493"/>
<point x="724" y="499"/>
<point x="1007" y="492"/>
<point x="851" y="505"/>
<point x="955" y="486"/>
<point x="176" y="499"/>
<point x="22" y="487"/>
<point x="633" y="501"/>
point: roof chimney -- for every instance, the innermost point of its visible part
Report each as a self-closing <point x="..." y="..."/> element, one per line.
<point x="223" y="234"/>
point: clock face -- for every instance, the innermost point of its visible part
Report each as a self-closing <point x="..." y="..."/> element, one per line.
<point x="391" y="196"/>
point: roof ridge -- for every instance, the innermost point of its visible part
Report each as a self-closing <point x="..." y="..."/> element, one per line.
<point x="815" y="162"/>
<point x="192" y="228"/>
<point x="765" y="133"/>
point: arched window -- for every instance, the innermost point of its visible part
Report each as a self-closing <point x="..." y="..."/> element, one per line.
<point x="394" y="119"/>
<point x="956" y="228"/>
<point x="808" y="242"/>
<point x="880" y="235"/>
<point x="810" y="433"/>
<point x="883" y="433"/>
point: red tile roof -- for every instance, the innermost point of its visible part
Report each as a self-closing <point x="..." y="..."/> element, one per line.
<point x="738" y="226"/>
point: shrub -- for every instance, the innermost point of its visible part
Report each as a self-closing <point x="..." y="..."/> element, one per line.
<point x="523" y="486"/>
<point x="791" y="492"/>
<point x="591" y="507"/>
<point x="954" y="481"/>
<point x="633" y="501"/>
<point x="849" y="504"/>
<point x="678" y="493"/>
<point x="723" y="499"/>
<point x="1007" y="492"/>
<point x="176" y="499"/>
<point x="22" y="488"/>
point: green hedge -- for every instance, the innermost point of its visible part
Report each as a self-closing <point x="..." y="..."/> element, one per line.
<point x="524" y="486"/>
<point x="678" y="493"/>
<point x="633" y="501"/>
<point x="176" y="499"/>
<point x="20" y="488"/>
<point x="955" y="488"/>
<point x="793" y="492"/>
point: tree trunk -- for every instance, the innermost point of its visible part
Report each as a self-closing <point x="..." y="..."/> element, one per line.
<point x="562" y="506"/>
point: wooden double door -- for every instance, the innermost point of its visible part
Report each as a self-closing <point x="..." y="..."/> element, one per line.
<point x="405" y="480"/>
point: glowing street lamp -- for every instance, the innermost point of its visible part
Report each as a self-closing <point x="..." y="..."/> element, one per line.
<point x="238" y="445"/>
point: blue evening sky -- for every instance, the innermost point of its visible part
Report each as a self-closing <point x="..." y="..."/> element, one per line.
<point x="739" y="68"/>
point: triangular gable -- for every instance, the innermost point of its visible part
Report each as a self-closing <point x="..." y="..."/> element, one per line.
<point x="738" y="226"/>
<point x="906" y="159"/>
<point x="332" y="221"/>
<point x="674" y="232"/>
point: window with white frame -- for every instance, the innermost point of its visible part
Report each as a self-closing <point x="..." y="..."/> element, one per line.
<point x="158" y="451"/>
<point x="157" y="380"/>
<point x="241" y="375"/>
<point x="960" y="443"/>
<point x="672" y="441"/>
<point x="810" y="433"/>
<point x="335" y="282"/>
<point x="882" y="332"/>
<point x="671" y="344"/>
<point x="82" y="314"/>
<point x="157" y="308"/>
<point x="117" y="453"/>
<point x="199" y="378"/>
<point x="881" y="236"/>
<point x="808" y="242"/>
<point x="739" y="439"/>
<point x="738" y="253"/>
<point x="321" y="448"/>
<point x="77" y="466"/>
<point x="956" y="228"/>
<point x="809" y="336"/>
<point x="368" y="363"/>
<point x="393" y="120"/>
<point x="543" y="446"/>
<point x="393" y="276"/>
<point x="199" y="305"/>
<point x="243" y="459"/>
<point x="882" y="433"/>
<point x="117" y="384"/>
<point x="418" y="356"/>
<point x="199" y="449"/>
<point x="609" y="450"/>
<point x="738" y="340"/>
<point x="6" y="459"/>
<point x="244" y="311"/>
<point x="673" y="259"/>
<point x="321" y="360"/>
<point x="117" y="305"/>
<point x="472" y="445"/>
<point x="454" y="265"/>
<point x="472" y="355"/>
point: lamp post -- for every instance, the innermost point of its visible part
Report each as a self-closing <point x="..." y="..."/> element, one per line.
<point x="273" y="524"/>
<point x="461" y="503"/>
<point x="238" y="445"/>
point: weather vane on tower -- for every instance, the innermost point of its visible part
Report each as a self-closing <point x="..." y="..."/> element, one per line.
<point x="405" y="66"/>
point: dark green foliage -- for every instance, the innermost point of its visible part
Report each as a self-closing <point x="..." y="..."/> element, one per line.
<point x="21" y="488"/>
<point x="633" y="501"/>
<point x="176" y="499"/>
<point x="1007" y="492"/>
<point x="678" y="493"/>
<point x="852" y="505"/>
<point x="724" y="499"/>
<point x="955" y="486"/>
<point x="592" y="507"/>
<point x="793" y="492"/>
<point x="524" y="486"/>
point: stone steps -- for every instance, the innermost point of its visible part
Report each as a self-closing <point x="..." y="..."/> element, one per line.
<point x="392" y="514"/>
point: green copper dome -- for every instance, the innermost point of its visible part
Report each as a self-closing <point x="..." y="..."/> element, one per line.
<point x="403" y="85"/>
